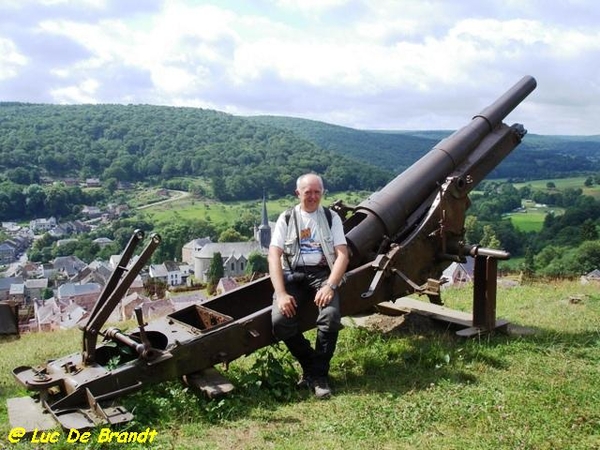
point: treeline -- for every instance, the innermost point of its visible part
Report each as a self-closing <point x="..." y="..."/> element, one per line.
<point x="537" y="157"/>
<point x="568" y="244"/>
<point x="239" y="159"/>
<point x="389" y="150"/>
<point x="218" y="155"/>
<point x="19" y="202"/>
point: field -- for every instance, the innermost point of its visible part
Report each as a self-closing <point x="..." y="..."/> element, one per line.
<point x="531" y="218"/>
<point x="157" y="208"/>
<point x="161" y="209"/>
<point x="411" y="385"/>
<point x="563" y="183"/>
<point x="218" y="212"/>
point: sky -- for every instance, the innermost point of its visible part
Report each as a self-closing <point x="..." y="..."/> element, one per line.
<point x="365" y="64"/>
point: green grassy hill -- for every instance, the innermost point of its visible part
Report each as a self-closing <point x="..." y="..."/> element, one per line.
<point x="412" y="384"/>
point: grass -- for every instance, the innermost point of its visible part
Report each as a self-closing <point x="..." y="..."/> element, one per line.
<point x="416" y="387"/>
<point x="562" y="184"/>
<point x="227" y="212"/>
<point x="532" y="217"/>
<point x="189" y="208"/>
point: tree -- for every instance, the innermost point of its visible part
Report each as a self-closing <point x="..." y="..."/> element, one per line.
<point x="215" y="272"/>
<point x="47" y="293"/>
<point x="489" y="239"/>
<point x="218" y="187"/>
<point x="35" y="199"/>
<point x="230" y="235"/>
<point x="154" y="287"/>
<point x="473" y="230"/>
<point x="548" y="255"/>
<point x="589" y="232"/>
<point x="257" y="263"/>
<point x="528" y="266"/>
<point x="586" y="257"/>
<point x="57" y="201"/>
<point x="111" y="185"/>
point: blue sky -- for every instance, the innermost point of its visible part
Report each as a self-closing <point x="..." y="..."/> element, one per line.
<point x="367" y="64"/>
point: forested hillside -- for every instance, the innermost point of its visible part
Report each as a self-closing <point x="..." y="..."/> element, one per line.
<point x="390" y="150"/>
<point x="222" y="156"/>
<point x="537" y="157"/>
<point x="239" y="159"/>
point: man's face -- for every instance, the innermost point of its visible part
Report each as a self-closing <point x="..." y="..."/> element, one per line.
<point x="310" y="193"/>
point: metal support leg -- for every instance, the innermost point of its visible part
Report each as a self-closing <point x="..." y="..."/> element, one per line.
<point x="484" y="292"/>
<point x="484" y="298"/>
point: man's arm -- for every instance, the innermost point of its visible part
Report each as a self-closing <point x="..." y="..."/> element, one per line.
<point x="275" y="269"/>
<point x="325" y="293"/>
<point x="285" y="302"/>
<point x="338" y="270"/>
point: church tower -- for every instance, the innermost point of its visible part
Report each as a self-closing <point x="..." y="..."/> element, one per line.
<point x="264" y="230"/>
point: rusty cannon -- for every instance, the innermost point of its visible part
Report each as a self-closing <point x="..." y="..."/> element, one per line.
<point x="401" y="240"/>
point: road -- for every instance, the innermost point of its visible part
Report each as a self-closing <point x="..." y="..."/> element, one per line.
<point x="12" y="268"/>
<point x="180" y="195"/>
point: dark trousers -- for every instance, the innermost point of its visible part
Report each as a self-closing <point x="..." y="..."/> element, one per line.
<point x="315" y="361"/>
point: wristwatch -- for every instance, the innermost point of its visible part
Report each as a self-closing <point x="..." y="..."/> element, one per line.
<point x="333" y="287"/>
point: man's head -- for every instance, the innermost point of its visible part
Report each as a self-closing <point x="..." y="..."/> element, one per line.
<point x="309" y="189"/>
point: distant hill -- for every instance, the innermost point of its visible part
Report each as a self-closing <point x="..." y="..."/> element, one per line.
<point x="389" y="149"/>
<point x="237" y="158"/>
<point x="234" y="157"/>
<point x="535" y="158"/>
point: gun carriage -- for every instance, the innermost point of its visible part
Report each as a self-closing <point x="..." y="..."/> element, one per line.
<point x="401" y="239"/>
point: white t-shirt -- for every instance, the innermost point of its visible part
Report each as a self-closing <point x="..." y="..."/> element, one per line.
<point x="311" y="253"/>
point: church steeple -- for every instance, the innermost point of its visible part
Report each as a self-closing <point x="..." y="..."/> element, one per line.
<point x="264" y="230"/>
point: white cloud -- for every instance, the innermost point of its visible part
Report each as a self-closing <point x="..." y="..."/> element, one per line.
<point x="310" y="6"/>
<point x="82" y="93"/>
<point x="382" y="64"/>
<point x="10" y="59"/>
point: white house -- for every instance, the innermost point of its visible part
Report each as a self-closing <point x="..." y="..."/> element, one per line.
<point x="234" y="254"/>
<point x="169" y="272"/>
<point x="457" y="274"/>
<point x="192" y="247"/>
<point x="42" y="225"/>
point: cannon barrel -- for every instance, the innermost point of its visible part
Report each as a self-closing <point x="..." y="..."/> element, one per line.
<point x="386" y="211"/>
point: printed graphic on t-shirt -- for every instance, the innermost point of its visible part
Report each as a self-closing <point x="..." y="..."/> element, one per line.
<point x="310" y="249"/>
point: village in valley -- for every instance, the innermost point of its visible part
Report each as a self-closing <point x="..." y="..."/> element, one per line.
<point x="61" y="294"/>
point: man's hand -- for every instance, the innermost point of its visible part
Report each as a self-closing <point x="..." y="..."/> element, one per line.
<point x="286" y="305"/>
<point x="324" y="296"/>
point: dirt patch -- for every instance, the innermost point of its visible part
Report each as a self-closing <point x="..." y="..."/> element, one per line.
<point x="409" y="323"/>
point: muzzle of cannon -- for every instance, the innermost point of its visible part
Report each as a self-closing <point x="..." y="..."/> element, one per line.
<point x="387" y="212"/>
<point x="401" y="239"/>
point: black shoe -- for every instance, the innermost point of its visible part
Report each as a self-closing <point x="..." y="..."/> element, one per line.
<point x="304" y="382"/>
<point x="321" y="388"/>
